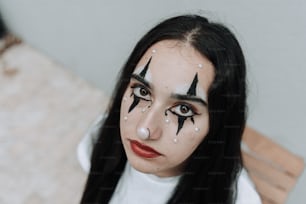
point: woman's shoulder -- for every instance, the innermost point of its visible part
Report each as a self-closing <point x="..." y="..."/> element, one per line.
<point x="85" y="146"/>
<point x="246" y="192"/>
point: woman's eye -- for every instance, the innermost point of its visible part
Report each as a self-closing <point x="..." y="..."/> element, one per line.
<point x="141" y="92"/>
<point x="182" y="110"/>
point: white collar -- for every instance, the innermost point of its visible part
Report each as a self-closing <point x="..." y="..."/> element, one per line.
<point x="136" y="187"/>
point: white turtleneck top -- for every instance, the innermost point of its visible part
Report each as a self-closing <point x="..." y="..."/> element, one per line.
<point x="135" y="187"/>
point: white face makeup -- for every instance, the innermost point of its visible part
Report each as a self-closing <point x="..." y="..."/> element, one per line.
<point x="164" y="115"/>
<point x="184" y="88"/>
<point x="147" y="77"/>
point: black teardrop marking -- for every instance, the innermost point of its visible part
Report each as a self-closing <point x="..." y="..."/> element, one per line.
<point x="166" y="114"/>
<point x="180" y="121"/>
<point x="145" y="69"/>
<point x="134" y="104"/>
<point x="192" y="89"/>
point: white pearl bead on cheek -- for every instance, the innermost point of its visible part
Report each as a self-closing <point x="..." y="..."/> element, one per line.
<point x="125" y="118"/>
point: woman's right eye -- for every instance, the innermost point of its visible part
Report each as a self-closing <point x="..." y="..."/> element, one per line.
<point x="141" y="92"/>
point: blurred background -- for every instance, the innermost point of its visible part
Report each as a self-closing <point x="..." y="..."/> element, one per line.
<point x="94" y="38"/>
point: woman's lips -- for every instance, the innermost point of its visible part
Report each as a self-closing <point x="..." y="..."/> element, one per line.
<point x="143" y="150"/>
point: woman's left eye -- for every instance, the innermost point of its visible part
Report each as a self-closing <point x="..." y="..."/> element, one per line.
<point x="183" y="110"/>
<point x="141" y="92"/>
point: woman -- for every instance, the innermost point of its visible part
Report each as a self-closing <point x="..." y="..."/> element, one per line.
<point x="174" y="125"/>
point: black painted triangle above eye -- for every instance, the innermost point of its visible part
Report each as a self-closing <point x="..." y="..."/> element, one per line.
<point x="192" y="89"/>
<point x="145" y="69"/>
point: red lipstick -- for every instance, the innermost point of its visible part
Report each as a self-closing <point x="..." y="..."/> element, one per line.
<point x="143" y="150"/>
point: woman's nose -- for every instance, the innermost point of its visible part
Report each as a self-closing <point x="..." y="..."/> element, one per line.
<point x="151" y="122"/>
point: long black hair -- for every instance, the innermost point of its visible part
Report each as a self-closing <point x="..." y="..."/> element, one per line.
<point x="211" y="172"/>
<point x="3" y="28"/>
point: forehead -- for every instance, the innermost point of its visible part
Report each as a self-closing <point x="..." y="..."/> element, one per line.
<point x="175" y="64"/>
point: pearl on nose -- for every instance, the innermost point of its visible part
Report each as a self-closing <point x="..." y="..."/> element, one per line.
<point x="143" y="133"/>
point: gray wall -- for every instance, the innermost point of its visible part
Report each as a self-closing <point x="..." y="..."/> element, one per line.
<point x="93" y="39"/>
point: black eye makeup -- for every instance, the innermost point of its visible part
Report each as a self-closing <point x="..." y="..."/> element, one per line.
<point x="139" y="92"/>
<point x="183" y="111"/>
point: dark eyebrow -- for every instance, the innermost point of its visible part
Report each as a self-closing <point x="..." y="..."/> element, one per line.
<point x="141" y="79"/>
<point x="189" y="98"/>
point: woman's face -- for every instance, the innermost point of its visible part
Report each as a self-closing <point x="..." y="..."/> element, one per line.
<point x="164" y="114"/>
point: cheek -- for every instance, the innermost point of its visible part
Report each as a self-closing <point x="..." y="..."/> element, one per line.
<point x="124" y="117"/>
<point x="178" y="153"/>
<point x="192" y="134"/>
<point x="193" y="130"/>
<point x="129" y="120"/>
<point x="123" y="108"/>
<point x="182" y="150"/>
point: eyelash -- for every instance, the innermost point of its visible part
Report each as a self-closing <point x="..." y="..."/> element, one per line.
<point x="173" y="110"/>
<point x="134" y="93"/>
